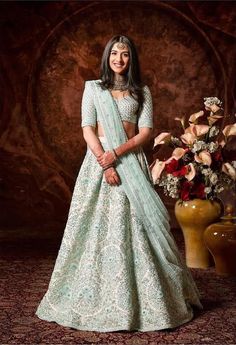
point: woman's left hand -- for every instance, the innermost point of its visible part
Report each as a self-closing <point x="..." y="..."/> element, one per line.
<point x="106" y="159"/>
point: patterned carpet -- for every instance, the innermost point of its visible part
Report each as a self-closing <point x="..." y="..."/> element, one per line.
<point x="26" y="267"/>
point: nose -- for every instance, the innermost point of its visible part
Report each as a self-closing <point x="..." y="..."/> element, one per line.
<point x="119" y="58"/>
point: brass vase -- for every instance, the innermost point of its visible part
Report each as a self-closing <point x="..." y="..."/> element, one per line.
<point x="193" y="217"/>
<point x="220" y="239"/>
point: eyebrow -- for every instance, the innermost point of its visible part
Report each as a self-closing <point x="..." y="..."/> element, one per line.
<point x="124" y="51"/>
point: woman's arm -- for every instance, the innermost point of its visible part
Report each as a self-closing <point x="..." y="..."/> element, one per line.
<point x="135" y="142"/>
<point x="92" y="141"/>
<point x="110" y="174"/>
<point x="145" y="125"/>
<point x="89" y="123"/>
<point x="109" y="157"/>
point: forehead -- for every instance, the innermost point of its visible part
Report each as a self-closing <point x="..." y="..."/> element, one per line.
<point x="120" y="46"/>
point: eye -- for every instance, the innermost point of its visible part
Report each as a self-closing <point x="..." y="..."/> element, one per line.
<point x="126" y="54"/>
<point x="113" y="53"/>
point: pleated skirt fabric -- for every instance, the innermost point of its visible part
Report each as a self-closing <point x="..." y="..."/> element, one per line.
<point x="106" y="276"/>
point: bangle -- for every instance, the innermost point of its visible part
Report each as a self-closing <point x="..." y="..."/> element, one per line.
<point x="108" y="167"/>
<point x="114" y="154"/>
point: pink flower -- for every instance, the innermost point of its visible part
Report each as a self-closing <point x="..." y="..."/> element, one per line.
<point x="199" y="165"/>
<point x="157" y="169"/>
<point x="213" y="108"/>
<point x="193" y="118"/>
<point x="222" y="143"/>
<point x="213" y="118"/>
<point x="191" y="172"/>
<point x="181" y="120"/>
<point x="177" y="154"/>
<point x="188" y="138"/>
<point x="197" y="130"/>
<point x="229" y="130"/>
<point x="162" y="138"/>
<point x="203" y="157"/>
<point x="229" y="170"/>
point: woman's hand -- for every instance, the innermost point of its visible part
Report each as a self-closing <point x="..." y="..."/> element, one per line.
<point x="106" y="159"/>
<point x="111" y="176"/>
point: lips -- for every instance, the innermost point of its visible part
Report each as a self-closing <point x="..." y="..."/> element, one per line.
<point x="118" y="65"/>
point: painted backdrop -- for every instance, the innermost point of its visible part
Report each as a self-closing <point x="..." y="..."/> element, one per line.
<point x="48" y="49"/>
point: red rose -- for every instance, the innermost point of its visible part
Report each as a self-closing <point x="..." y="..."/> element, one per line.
<point x="182" y="172"/>
<point x="217" y="156"/>
<point x="172" y="166"/>
<point x="185" y="191"/>
<point x="198" y="190"/>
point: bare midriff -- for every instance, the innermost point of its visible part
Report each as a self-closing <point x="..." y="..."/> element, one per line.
<point x="128" y="127"/>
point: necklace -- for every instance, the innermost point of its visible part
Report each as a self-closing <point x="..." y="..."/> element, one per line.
<point x="119" y="85"/>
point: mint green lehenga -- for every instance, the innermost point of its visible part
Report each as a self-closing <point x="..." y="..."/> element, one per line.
<point x="118" y="267"/>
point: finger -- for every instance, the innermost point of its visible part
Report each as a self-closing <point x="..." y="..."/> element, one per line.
<point x="99" y="160"/>
<point x="115" y="178"/>
<point x="109" y="180"/>
<point x="104" y="162"/>
<point x="112" y="181"/>
<point x="103" y="165"/>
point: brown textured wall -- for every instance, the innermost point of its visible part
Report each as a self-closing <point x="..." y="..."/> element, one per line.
<point x="48" y="49"/>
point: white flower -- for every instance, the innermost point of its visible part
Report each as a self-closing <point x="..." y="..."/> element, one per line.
<point x="213" y="178"/>
<point x="174" y="195"/>
<point x="170" y="184"/>
<point x="213" y="131"/>
<point x="206" y="171"/>
<point x="212" y="147"/>
<point x="219" y="189"/>
<point x="207" y="190"/>
<point x="198" y="146"/>
<point x="176" y="141"/>
<point x="212" y="100"/>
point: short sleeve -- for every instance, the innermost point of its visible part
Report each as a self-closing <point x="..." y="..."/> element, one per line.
<point x="88" y="110"/>
<point x="146" y="115"/>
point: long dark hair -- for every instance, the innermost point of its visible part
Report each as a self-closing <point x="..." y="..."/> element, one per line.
<point x="132" y="75"/>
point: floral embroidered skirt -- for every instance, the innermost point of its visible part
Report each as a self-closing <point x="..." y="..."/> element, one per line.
<point x="106" y="277"/>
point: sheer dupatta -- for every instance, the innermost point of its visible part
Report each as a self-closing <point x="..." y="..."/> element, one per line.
<point x="138" y="188"/>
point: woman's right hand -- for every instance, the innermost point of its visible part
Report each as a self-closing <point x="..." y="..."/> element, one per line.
<point x="111" y="176"/>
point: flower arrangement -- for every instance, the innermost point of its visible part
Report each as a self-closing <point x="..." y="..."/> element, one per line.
<point x="197" y="167"/>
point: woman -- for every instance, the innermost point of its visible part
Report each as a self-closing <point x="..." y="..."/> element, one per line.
<point x="118" y="267"/>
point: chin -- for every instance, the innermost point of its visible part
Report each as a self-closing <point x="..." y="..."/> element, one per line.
<point x="119" y="71"/>
<point x="116" y="70"/>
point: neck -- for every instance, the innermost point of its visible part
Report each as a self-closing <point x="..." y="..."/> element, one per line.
<point x="119" y="82"/>
<point x="119" y="78"/>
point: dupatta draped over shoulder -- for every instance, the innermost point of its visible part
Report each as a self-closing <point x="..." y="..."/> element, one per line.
<point x="136" y="185"/>
<point x="118" y="267"/>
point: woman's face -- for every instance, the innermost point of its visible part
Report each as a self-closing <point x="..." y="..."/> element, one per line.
<point x="119" y="58"/>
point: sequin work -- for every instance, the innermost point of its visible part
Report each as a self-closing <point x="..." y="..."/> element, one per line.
<point x="127" y="107"/>
<point x="106" y="276"/>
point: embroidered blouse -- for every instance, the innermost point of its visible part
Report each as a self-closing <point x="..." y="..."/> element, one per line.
<point x="127" y="107"/>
